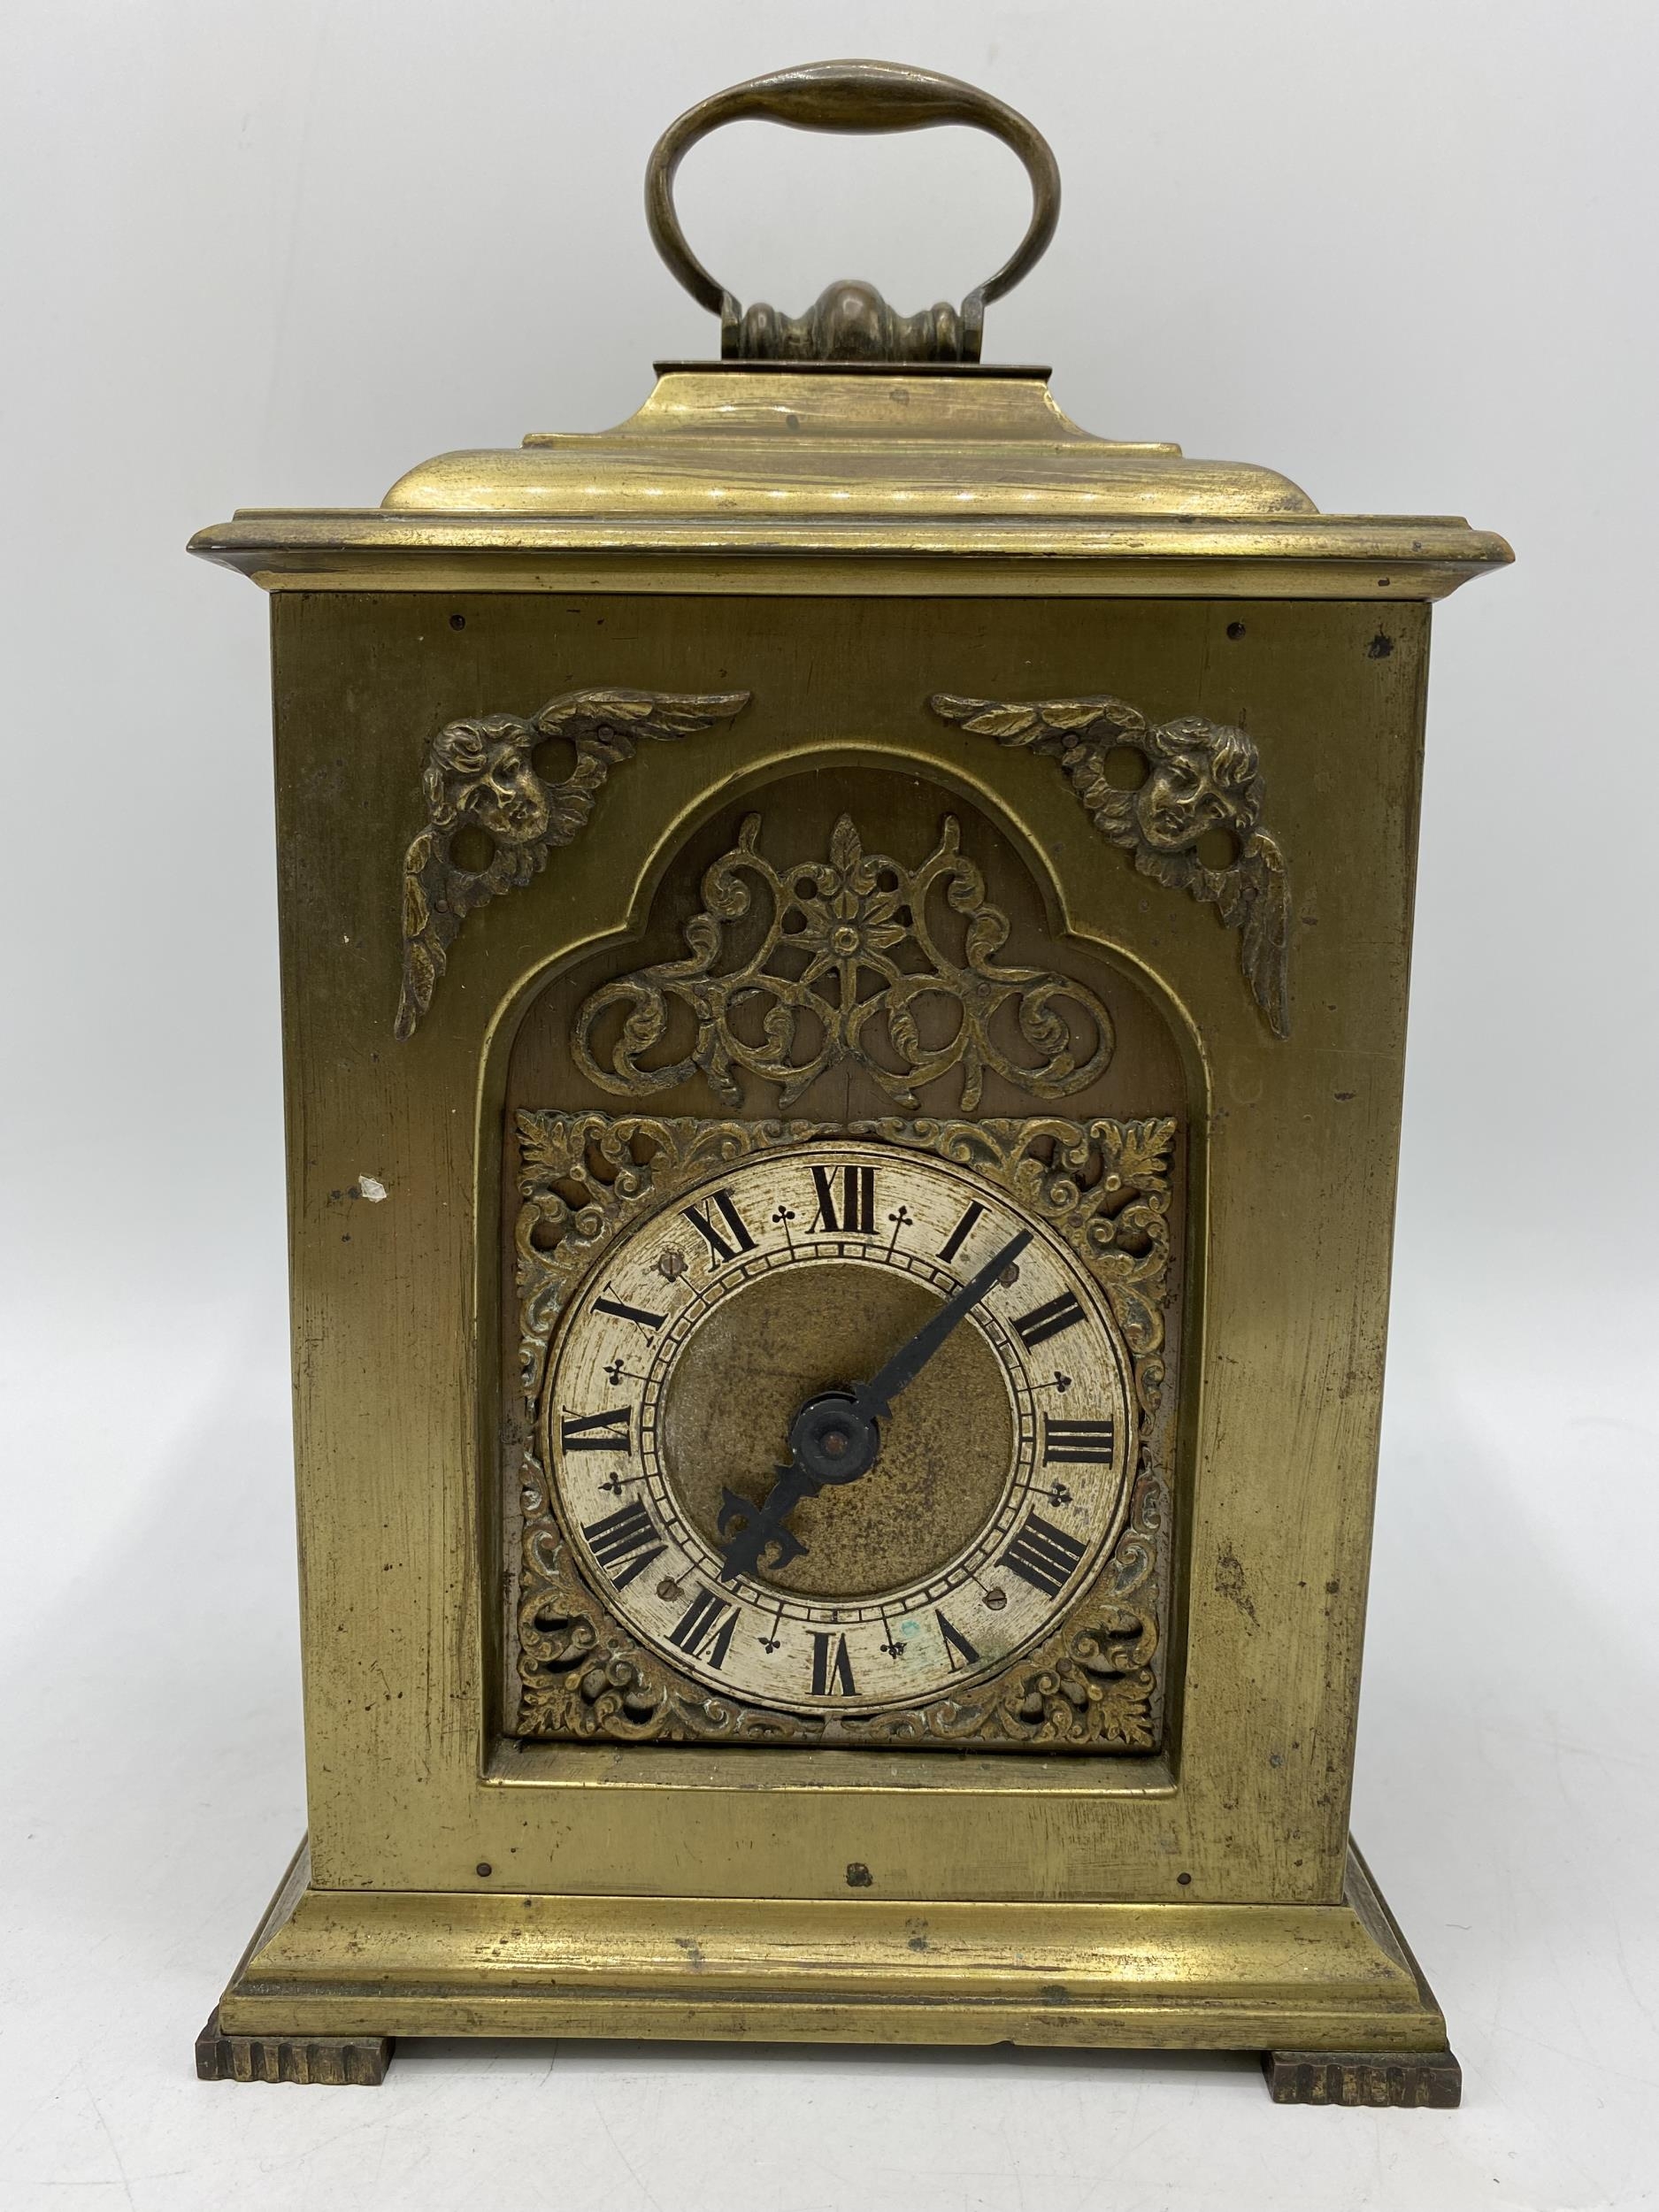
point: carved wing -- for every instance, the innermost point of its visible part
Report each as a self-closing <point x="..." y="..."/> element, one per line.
<point x="604" y="728"/>
<point x="1264" y="892"/>
<point x="1077" y="733"/>
<point x="1252" y="895"/>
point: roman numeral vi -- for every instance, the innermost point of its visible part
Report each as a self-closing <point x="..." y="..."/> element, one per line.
<point x="832" y="1668"/>
<point x="956" y="1646"/>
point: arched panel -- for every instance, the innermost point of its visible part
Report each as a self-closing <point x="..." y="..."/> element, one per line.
<point x="843" y="956"/>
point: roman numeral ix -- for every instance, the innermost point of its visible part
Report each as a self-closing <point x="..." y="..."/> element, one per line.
<point x="1042" y="1555"/>
<point x="720" y="1250"/>
<point x="857" y="1212"/>
<point x="625" y="1542"/>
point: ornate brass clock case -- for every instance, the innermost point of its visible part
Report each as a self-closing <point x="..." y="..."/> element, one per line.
<point x="844" y="953"/>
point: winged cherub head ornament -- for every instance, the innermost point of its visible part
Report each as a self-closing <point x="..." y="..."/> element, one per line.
<point x="1202" y="778"/>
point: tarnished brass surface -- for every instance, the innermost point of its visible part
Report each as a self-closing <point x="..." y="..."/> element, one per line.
<point x="864" y="1967"/>
<point x="1194" y="1896"/>
<point x="1432" y="2079"/>
<point x="341" y="2062"/>
<point x="851" y="321"/>
<point x="809" y="481"/>
<point x="944" y="1453"/>
<point x="534" y="1808"/>
<point x="398" y="1308"/>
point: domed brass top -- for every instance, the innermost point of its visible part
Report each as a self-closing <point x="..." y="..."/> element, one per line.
<point x="852" y="478"/>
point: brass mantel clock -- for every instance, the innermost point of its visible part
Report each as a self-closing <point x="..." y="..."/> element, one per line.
<point x="844" y="955"/>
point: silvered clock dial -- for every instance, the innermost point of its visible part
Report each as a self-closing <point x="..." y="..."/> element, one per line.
<point x="841" y="1427"/>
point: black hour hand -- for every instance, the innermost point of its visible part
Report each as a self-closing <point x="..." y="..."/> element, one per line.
<point x="752" y="1530"/>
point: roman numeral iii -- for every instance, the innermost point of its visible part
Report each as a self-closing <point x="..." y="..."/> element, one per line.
<point x="1070" y="1443"/>
<point x="625" y="1542"/>
<point x="596" y="1431"/>
<point x="706" y="1628"/>
<point x="732" y="1225"/>
<point x="1042" y="1555"/>
<point x="856" y="1216"/>
<point x="832" y="1668"/>
<point x="1042" y="1322"/>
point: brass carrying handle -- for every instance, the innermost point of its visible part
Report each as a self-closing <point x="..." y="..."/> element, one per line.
<point x="855" y="96"/>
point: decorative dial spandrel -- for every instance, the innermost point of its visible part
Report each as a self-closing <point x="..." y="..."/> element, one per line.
<point x="710" y="1369"/>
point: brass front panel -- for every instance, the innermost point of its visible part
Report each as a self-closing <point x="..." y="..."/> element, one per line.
<point x="398" y="1302"/>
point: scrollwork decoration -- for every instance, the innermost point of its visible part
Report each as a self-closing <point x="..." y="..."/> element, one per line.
<point x="481" y="775"/>
<point x="1094" y="1684"/>
<point x="1202" y="777"/>
<point x="828" y="983"/>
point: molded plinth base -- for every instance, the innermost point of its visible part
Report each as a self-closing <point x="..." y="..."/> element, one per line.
<point x="1329" y="1993"/>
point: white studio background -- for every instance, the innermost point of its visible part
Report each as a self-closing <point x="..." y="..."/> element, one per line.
<point x="275" y="251"/>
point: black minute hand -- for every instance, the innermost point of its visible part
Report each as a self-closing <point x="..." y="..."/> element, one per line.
<point x="874" y="1399"/>
<point x="834" y="1438"/>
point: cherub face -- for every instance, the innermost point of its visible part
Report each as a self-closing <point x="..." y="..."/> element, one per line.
<point x="506" y="797"/>
<point x="1181" y="799"/>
